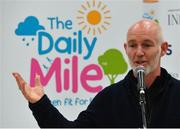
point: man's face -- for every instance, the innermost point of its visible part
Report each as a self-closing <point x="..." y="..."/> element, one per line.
<point x="143" y="49"/>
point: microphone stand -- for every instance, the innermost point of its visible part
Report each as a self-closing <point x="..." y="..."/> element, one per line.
<point x="142" y="99"/>
<point x="142" y="102"/>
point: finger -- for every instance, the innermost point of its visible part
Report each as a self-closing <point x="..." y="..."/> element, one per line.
<point x="26" y="90"/>
<point x="22" y="88"/>
<point x="16" y="76"/>
<point x="20" y="81"/>
<point x="37" y="80"/>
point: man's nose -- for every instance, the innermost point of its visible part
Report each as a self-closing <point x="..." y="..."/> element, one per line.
<point x="140" y="51"/>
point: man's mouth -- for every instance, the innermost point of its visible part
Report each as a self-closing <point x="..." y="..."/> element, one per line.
<point x="140" y="63"/>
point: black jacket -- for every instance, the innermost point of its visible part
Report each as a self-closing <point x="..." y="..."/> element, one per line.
<point x="118" y="106"/>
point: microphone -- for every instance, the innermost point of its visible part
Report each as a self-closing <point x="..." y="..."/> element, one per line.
<point x="140" y="73"/>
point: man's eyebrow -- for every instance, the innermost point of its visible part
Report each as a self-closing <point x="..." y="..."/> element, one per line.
<point x="132" y="41"/>
<point x="147" y="40"/>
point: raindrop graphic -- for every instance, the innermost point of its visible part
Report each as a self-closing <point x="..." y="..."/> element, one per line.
<point x="32" y="39"/>
<point x="27" y="43"/>
<point x="23" y="39"/>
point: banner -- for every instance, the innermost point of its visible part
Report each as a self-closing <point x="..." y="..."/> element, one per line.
<point x="76" y="46"/>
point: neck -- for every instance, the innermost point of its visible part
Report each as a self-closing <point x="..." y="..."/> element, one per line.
<point x="150" y="78"/>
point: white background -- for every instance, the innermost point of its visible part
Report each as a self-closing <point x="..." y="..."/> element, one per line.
<point x="15" y="56"/>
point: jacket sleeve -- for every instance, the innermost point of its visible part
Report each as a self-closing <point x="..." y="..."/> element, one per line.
<point x="47" y="116"/>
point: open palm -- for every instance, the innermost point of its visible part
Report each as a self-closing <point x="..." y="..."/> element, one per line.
<point x="32" y="94"/>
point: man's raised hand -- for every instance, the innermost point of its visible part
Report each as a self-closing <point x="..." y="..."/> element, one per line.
<point x="32" y="94"/>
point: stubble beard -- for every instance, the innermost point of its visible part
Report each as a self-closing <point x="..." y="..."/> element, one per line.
<point x="149" y="67"/>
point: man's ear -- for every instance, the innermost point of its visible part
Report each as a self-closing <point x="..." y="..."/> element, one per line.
<point x="164" y="47"/>
<point x="125" y="46"/>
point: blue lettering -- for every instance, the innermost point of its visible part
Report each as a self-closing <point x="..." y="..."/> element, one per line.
<point x="67" y="45"/>
<point x="67" y="41"/>
<point x="169" y="50"/>
<point x="42" y="35"/>
<point x="55" y="23"/>
<point x="89" y="46"/>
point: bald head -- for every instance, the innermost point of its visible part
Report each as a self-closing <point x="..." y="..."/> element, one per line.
<point x="146" y="27"/>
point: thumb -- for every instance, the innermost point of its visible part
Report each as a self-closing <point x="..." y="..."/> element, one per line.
<point x="37" y="80"/>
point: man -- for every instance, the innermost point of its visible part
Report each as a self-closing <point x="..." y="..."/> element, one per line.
<point x="118" y="105"/>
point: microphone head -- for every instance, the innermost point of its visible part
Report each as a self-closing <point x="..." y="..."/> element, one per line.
<point x="139" y="69"/>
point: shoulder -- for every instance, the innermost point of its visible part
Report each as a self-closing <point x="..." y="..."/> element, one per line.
<point x="172" y="93"/>
<point x="170" y="81"/>
<point x="112" y="90"/>
<point x="119" y="90"/>
<point x="108" y="94"/>
<point x="175" y="83"/>
<point x="173" y="88"/>
<point x="113" y="87"/>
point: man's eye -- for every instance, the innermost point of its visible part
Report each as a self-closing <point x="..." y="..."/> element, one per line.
<point x="147" y="45"/>
<point x="132" y="45"/>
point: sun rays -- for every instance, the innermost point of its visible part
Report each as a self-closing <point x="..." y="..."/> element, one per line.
<point x="94" y="17"/>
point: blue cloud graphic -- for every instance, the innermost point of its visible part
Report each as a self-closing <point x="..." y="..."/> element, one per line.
<point x="29" y="27"/>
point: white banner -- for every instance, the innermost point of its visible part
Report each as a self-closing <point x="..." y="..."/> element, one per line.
<point x="76" y="46"/>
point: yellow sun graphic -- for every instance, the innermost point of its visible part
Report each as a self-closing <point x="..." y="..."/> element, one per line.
<point x="94" y="17"/>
